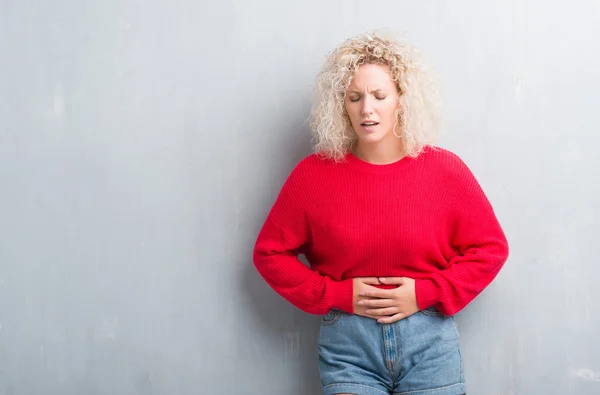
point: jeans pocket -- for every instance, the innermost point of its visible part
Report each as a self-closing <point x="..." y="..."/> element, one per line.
<point x="332" y="317"/>
<point x="432" y="312"/>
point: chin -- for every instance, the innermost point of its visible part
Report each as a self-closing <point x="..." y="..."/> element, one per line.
<point x="371" y="138"/>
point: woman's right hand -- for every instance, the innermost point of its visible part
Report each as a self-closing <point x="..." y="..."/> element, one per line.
<point x="362" y="284"/>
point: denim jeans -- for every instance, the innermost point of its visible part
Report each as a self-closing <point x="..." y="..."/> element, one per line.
<point x="418" y="355"/>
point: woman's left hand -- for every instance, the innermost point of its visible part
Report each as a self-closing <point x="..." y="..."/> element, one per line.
<point x="391" y="305"/>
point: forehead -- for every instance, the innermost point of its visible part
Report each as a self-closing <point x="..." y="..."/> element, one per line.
<point x="372" y="76"/>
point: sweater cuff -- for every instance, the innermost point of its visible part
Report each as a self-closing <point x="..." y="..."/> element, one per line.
<point x="342" y="295"/>
<point x="427" y="293"/>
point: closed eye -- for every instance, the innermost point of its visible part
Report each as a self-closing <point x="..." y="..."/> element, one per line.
<point x="356" y="99"/>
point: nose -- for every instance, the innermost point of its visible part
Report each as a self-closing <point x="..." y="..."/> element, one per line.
<point x="367" y="106"/>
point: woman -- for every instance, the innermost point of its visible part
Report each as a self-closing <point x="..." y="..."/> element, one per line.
<point x="398" y="232"/>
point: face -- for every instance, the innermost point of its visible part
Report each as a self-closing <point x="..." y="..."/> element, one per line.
<point x="371" y="103"/>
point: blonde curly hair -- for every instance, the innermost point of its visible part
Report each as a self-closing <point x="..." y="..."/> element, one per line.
<point x="418" y="120"/>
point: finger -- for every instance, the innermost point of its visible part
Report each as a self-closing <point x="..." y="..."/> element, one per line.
<point x="376" y="302"/>
<point x="369" y="280"/>
<point x="388" y="311"/>
<point x="392" y="319"/>
<point x="373" y="292"/>
<point x="392" y="280"/>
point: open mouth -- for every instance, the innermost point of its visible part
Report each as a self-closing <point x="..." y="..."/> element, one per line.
<point x="369" y="123"/>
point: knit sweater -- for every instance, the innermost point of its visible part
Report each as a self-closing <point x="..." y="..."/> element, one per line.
<point x="425" y="218"/>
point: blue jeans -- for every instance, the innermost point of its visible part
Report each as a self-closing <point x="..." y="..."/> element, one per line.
<point x="419" y="355"/>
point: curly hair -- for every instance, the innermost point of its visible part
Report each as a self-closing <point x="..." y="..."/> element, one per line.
<point x="418" y="117"/>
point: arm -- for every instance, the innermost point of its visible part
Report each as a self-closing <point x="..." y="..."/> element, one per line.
<point x="285" y="232"/>
<point x="478" y="240"/>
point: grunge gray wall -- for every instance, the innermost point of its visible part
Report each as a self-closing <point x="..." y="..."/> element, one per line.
<point x="142" y="144"/>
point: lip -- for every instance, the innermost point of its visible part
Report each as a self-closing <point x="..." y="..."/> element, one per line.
<point x="369" y="121"/>
<point x="370" y="128"/>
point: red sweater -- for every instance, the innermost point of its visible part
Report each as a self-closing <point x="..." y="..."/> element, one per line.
<point x="426" y="218"/>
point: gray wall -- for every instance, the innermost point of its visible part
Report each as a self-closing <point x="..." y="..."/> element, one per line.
<point x="142" y="144"/>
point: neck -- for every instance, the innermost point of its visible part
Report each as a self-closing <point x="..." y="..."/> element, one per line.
<point x="379" y="154"/>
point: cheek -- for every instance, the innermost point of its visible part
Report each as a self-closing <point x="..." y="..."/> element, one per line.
<point x="352" y="113"/>
<point x="391" y="111"/>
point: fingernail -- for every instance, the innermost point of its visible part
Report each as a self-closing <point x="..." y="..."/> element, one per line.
<point x="361" y="302"/>
<point x="361" y="294"/>
<point x="382" y="279"/>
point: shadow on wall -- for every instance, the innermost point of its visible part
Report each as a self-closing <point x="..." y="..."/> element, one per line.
<point x="291" y="334"/>
<point x="292" y="331"/>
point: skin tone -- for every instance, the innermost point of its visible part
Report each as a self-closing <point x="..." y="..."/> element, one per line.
<point x="372" y="103"/>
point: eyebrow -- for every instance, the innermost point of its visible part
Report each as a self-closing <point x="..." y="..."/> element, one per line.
<point x="375" y="91"/>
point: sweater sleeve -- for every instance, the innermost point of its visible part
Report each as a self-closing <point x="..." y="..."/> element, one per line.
<point x="479" y="243"/>
<point x="285" y="232"/>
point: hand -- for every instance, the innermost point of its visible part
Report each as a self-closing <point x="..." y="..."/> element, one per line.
<point x="389" y="305"/>
<point x="360" y="285"/>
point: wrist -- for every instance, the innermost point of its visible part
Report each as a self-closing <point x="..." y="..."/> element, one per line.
<point x="342" y="295"/>
<point x="426" y="293"/>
